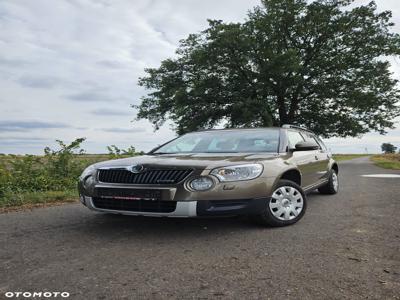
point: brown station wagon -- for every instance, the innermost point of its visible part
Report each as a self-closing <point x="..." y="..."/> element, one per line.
<point x="260" y="172"/>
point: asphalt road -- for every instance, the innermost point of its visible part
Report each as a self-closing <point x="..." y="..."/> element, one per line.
<point x="347" y="246"/>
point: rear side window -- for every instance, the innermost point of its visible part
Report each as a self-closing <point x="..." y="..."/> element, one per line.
<point x="294" y="137"/>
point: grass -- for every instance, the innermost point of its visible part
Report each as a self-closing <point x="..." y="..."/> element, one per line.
<point x="387" y="161"/>
<point x="341" y="157"/>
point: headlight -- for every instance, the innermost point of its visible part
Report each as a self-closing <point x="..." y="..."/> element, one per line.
<point x="237" y="173"/>
<point x="201" y="184"/>
<point x="87" y="172"/>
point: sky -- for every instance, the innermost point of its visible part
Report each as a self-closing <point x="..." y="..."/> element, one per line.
<point x="69" y="69"/>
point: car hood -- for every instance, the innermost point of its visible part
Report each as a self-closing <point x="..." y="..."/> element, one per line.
<point x="196" y="160"/>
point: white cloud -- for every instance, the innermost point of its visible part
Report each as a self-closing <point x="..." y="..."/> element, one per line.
<point x="77" y="62"/>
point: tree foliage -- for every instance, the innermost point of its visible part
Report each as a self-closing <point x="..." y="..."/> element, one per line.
<point x="319" y="64"/>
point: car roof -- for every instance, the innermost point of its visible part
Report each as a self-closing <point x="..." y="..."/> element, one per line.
<point x="255" y="129"/>
<point x="238" y="129"/>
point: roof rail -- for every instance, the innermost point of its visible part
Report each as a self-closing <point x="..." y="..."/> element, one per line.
<point x="286" y="126"/>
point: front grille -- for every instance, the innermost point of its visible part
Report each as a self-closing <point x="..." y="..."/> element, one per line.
<point x="146" y="177"/>
<point x="135" y="205"/>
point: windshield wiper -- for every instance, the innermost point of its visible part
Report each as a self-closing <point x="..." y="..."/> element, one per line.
<point x="205" y="152"/>
<point x="161" y="153"/>
<point x="221" y="152"/>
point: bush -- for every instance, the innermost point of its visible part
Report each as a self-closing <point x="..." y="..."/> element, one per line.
<point x="62" y="165"/>
<point x="57" y="170"/>
<point x="37" y="179"/>
<point x="115" y="152"/>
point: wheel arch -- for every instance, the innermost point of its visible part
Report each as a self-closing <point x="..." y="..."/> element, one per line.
<point x="335" y="167"/>
<point x="292" y="175"/>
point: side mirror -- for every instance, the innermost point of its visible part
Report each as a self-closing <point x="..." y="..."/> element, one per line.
<point x="306" y="146"/>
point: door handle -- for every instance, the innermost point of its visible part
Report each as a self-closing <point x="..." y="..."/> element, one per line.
<point x="316" y="157"/>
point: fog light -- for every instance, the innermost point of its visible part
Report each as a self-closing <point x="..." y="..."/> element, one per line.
<point x="201" y="184"/>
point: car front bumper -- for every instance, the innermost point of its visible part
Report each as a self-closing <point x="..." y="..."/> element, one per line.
<point x="193" y="208"/>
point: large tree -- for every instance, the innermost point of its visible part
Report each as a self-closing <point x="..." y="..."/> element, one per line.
<point x="388" y="148"/>
<point x="320" y="64"/>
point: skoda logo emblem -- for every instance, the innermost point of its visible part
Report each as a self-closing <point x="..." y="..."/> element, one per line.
<point x="136" y="169"/>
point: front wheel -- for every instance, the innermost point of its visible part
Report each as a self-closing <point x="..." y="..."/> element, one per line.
<point x="286" y="206"/>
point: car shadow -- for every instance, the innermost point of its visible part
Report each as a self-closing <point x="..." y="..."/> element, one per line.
<point x="313" y="194"/>
<point x="110" y="225"/>
<point x="115" y="225"/>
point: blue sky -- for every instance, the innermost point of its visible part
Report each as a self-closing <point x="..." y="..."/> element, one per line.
<point x="69" y="68"/>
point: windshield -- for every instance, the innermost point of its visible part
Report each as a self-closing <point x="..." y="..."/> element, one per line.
<point x="224" y="141"/>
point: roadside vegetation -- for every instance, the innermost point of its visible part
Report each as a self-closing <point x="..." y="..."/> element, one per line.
<point x="387" y="161"/>
<point x="30" y="180"/>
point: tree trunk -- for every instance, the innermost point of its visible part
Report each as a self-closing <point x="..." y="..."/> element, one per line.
<point x="283" y="117"/>
<point x="292" y="111"/>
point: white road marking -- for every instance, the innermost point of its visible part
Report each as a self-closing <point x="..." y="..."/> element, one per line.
<point x="382" y="175"/>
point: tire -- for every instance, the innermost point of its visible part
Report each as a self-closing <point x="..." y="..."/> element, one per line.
<point x="282" y="211"/>
<point x="332" y="187"/>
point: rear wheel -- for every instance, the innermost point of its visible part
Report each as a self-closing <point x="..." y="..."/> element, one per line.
<point x="286" y="206"/>
<point x="332" y="187"/>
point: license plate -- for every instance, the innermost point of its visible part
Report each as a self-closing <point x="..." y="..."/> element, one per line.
<point x="129" y="194"/>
